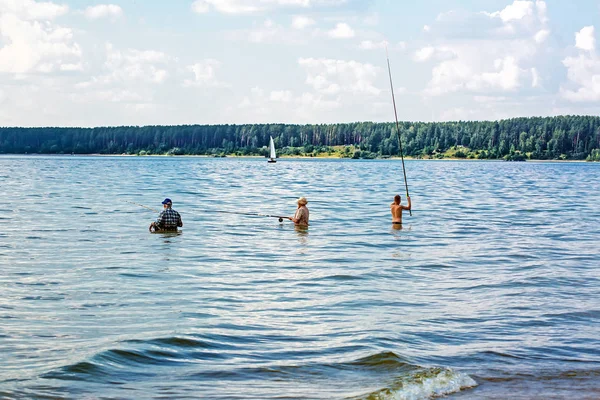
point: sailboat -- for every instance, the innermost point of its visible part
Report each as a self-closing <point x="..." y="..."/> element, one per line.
<point x="272" y="155"/>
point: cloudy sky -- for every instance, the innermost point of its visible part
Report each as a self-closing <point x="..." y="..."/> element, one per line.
<point x="142" y="62"/>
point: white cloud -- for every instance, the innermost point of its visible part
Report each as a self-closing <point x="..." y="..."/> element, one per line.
<point x="506" y="76"/>
<point x="489" y="99"/>
<point x="542" y="10"/>
<point x="370" y="45"/>
<point x="103" y="11"/>
<point x="426" y="28"/>
<point x="382" y="44"/>
<point x="541" y="35"/>
<point x="270" y="32"/>
<point x="71" y="67"/>
<point x="341" y="31"/>
<point x="535" y="78"/>
<point x="583" y="71"/>
<point x="120" y="96"/>
<point x="276" y="105"/>
<point x="131" y="67"/>
<point x="302" y="22"/>
<point x="438" y="53"/>
<point x="284" y="96"/>
<point x="584" y="78"/>
<point x="467" y="72"/>
<point x="318" y="101"/>
<point x="200" y="7"/>
<point x="256" y="6"/>
<point x="331" y="77"/>
<point x="424" y="54"/>
<point x="371" y="20"/>
<point x="204" y="74"/>
<point x="226" y="6"/>
<point x="500" y="51"/>
<point x="585" y="40"/>
<point x="516" y="11"/>
<point x="32" y="45"/>
<point x="520" y="17"/>
<point x="32" y="10"/>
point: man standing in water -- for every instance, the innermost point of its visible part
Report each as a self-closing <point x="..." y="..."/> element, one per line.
<point x="397" y="208"/>
<point x="301" y="216"/>
<point x="168" y="219"/>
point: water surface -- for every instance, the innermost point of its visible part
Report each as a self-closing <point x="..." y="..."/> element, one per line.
<point x="490" y="290"/>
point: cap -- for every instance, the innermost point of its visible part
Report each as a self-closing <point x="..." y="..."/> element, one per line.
<point x="167" y="201"/>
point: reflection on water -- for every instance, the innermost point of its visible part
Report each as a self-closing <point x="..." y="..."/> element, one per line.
<point x="469" y="298"/>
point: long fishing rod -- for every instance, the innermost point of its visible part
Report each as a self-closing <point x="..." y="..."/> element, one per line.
<point x="397" y="124"/>
<point x="281" y="218"/>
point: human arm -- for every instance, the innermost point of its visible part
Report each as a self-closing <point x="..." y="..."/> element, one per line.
<point x="179" y="221"/>
<point x="409" y="207"/>
<point x="158" y="223"/>
<point x="294" y="219"/>
<point x="297" y="216"/>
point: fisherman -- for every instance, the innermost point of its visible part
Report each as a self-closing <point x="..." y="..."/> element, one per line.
<point x="168" y="219"/>
<point x="397" y="208"/>
<point x="300" y="218"/>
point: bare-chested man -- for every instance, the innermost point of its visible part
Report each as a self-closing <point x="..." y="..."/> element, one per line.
<point x="397" y="208"/>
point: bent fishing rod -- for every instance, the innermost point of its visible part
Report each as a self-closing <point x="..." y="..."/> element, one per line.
<point x="397" y="124"/>
<point x="281" y="218"/>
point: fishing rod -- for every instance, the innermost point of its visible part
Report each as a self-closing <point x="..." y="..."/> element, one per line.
<point x="250" y="214"/>
<point x="397" y="125"/>
<point x="141" y="205"/>
<point x="281" y="218"/>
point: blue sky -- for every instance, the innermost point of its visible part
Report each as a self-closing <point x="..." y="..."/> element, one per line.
<point x="146" y="62"/>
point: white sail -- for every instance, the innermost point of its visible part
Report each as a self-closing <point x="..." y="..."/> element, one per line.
<point x="272" y="147"/>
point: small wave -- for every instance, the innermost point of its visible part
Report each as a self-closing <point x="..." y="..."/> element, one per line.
<point x="342" y="277"/>
<point x="425" y="384"/>
<point x="411" y="381"/>
<point x="385" y="360"/>
<point x="138" y="356"/>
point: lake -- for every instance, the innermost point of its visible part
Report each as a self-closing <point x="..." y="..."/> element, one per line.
<point x="490" y="290"/>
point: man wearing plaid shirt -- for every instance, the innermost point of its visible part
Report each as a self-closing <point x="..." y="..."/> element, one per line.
<point x="168" y="219"/>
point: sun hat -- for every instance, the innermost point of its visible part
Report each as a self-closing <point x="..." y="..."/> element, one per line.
<point x="302" y="201"/>
<point x="167" y="201"/>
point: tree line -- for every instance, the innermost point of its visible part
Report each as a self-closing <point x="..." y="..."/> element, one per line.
<point x="562" y="137"/>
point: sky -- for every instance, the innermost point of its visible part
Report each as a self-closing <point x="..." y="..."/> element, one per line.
<point x="173" y="62"/>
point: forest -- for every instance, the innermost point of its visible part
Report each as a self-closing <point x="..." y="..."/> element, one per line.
<point x="535" y="138"/>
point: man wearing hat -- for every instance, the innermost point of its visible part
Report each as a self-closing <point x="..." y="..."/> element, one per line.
<point x="301" y="216"/>
<point x="168" y="219"/>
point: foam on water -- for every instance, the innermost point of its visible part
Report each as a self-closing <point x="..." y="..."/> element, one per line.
<point x="426" y="384"/>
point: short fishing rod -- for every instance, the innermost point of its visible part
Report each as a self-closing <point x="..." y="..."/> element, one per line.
<point x="397" y="125"/>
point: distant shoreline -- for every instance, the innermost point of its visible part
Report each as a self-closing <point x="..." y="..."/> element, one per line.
<point x="326" y="157"/>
